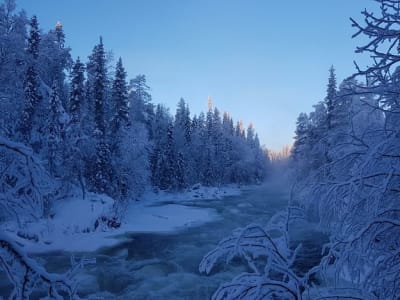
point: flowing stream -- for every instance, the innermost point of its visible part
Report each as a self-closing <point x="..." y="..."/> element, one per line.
<point x="165" y="266"/>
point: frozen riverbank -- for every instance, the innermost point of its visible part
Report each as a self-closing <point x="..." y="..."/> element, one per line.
<point x="72" y="226"/>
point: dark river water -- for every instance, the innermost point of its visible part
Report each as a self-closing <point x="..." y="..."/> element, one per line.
<point x="165" y="266"/>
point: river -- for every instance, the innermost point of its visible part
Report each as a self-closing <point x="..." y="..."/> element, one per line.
<point x="165" y="266"/>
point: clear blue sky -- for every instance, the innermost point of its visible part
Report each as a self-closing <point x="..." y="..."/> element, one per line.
<point x="263" y="61"/>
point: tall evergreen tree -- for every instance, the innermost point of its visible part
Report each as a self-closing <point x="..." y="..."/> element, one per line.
<point x="55" y="127"/>
<point x="168" y="167"/>
<point x="182" y="124"/>
<point x="77" y="148"/>
<point x="32" y="99"/>
<point x="162" y="122"/>
<point x="331" y="96"/>
<point x="182" y="140"/>
<point x="98" y="61"/>
<point x="77" y="91"/>
<point x="120" y="99"/>
<point x="119" y="132"/>
<point x="34" y="38"/>
<point x="250" y="135"/>
<point x="99" y="169"/>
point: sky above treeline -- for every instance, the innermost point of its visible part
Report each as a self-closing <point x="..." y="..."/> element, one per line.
<point x="262" y="61"/>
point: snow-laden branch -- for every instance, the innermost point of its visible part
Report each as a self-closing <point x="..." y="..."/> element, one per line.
<point x="25" y="274"/>
<point x="26" y="187"/>
<point x="267" y="254"/>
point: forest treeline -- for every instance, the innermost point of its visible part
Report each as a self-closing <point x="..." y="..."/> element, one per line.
<point x="87" y="125"/>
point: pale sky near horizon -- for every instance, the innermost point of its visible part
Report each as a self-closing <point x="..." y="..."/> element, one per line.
<point x="262" y="61"/>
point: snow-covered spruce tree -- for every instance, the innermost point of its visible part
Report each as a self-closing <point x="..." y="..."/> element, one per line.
<point x="209" y="175"/>
<point x="77" y="92"/>
<point x="196" y="148"/>
<point x="182" y="142"/>
<point x="76" y="139"/>
<point x="250" y="135"/>
<point x="171" y="175"/>
<point x="120" y="100"/>
<point x="227" y="147"/>
<point x="32" y="99"/>
<point x="128" y="140"/>
<point x="34" y="38"/>
<point x="301" y="145"/>
<point x="55" y="134"/>
<point x="313" y="130"/>
<point x="98" y="170"/>
<point x="162" y="121"/>
<point x="330" y="96"/>
<point x="31" y="83"/>
<point x="98" y="61"/>
<point x="218" y="147"/>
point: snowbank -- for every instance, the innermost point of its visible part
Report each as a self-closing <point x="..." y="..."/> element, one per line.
<point x="72" y="226"/>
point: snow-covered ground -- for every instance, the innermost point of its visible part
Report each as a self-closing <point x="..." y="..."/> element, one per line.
<point x="72" y="227"/>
